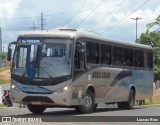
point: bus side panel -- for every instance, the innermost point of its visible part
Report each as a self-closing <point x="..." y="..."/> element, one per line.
<point x="143" y="81"/>
<point x="110" y="84"/>
<point x="115" y="86"/>
<point x="119" y="86"/>
<point x="99" y="78"/>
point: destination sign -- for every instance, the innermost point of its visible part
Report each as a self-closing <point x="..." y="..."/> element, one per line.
<point x="30" y="41"/>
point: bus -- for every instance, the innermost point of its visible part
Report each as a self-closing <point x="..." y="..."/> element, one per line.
<point x="70" y="68"/>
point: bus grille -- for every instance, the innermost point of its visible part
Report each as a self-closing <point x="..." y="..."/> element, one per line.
<point x="37" y="98"/>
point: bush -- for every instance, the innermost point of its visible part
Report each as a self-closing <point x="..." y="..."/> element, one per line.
<point x="3" y="55"/>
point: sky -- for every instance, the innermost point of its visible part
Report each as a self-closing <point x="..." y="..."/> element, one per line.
<point x="108" y="18"/>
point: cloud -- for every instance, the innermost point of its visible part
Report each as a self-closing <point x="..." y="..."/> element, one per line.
<point x="7" y="8"/>
<point x="105" y="16"/>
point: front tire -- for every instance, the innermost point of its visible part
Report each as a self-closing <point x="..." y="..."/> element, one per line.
<point x="36" y="109"/>
<point x="130" y="103"/>
<point x="89" y="105"/>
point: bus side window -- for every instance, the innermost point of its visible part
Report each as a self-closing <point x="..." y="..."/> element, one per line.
<point x="105" y="54"/>
<point x="79" y="59"/>
<point x="138" y="58"/>
<point x="117" y="56"/>
<point x="128" y="57"/>
<point x="149" y="60"/>
<point x="92" y="52"/>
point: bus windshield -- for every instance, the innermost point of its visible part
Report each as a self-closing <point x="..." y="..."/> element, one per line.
<point x="43" y="58"/>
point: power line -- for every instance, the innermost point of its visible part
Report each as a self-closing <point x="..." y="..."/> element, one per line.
<point x="65" y="9"/>
<point x="125" y="17"/>
<point x="61" y="13"/>
<point x="76" y="13"/>
<point x="119" y="5"/>
<point x="17" y="18"/>
<point x="34" y="26"/>
<point x="54" y="14"/>
<point x="100" y="3"/>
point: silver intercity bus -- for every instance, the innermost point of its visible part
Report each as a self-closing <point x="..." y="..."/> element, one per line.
<point x="67" y="68"/>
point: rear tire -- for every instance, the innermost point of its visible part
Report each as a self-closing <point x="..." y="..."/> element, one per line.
<point x="95" y="107"/>
<point x="130" y="103"/>
<point x="36" y="109"/>
<point x="89" y="105"/>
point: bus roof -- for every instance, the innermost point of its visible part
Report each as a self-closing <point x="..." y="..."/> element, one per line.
<point x="71" y="33"/>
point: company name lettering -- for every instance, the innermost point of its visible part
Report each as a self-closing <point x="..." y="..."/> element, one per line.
<point x="100" y="75"/>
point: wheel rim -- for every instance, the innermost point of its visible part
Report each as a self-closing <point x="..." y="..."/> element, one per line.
<point x="87" y="102"/>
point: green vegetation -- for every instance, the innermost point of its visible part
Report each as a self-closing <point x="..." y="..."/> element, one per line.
<point x="3" y="55"/>
<point x="5" y="81"/>
<point x="5" y="68"/>
<point x="149" y="103"/>
<point x="152" y="103"/>
<point x="153" y="38"/>
<point x="6" y="75"/>
<point x="2" y="105"/>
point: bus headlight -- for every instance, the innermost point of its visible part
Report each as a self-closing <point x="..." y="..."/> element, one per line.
<point x="63" y="89"/>
<point x="13" y="86"/>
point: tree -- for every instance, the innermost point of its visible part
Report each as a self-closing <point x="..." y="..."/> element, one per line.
<point x="156" y="23"/>
<point x="153" y="38"/>
<point x="3" y="55"/>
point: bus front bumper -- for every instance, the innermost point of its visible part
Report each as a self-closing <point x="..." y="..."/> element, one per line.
<point x="56" y="98"/>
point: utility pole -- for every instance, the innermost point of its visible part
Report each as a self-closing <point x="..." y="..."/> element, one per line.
<point x="34" y="26"/>
<point x="0" y="40"/>
<point x="42" y="21"/>
<point x="136" y="19"/>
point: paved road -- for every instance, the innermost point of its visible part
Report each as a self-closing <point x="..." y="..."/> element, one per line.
<point x="101" y="111"/>
<point x="6" y="86"/>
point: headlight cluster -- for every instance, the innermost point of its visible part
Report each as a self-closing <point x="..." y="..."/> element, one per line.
<point x="63" y="89"/>
<point x="14" y="86"/>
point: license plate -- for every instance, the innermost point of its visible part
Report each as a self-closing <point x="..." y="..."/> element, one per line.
<point x="36" y="103"/>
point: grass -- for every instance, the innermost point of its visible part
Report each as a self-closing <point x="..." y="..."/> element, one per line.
<point x="151" y="103"/>
<point x="2" y="105"/>
<point x="5" y="68"/>
<point x="5" y="81"/>
<point x="147" y="102"/>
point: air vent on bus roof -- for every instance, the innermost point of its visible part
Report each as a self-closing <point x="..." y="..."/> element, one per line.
<point x="68" y="29"/>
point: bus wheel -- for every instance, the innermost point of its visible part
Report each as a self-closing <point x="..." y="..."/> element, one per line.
<point x="95" y="107"/>
<point x="130" y="103"/>
<point x="131" y="100"/>
<point x="89" y="104"/>
<point x="36" y="109"/>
